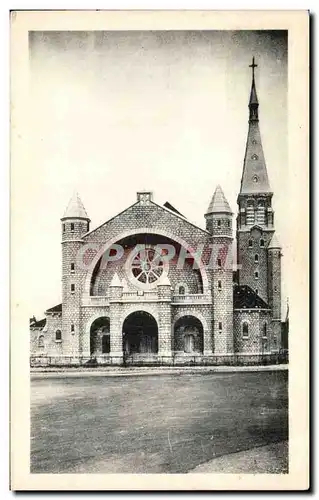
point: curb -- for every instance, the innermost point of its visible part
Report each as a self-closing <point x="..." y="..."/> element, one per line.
<point x="131" y="372"/>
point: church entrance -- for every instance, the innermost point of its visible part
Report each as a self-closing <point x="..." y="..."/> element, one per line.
<point x="140" y="334"/>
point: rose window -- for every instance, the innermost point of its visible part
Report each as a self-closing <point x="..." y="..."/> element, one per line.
<point x="147" y="266"/>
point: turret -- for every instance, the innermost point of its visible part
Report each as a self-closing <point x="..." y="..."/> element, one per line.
<point x="219" y="224"/>
<point x="219" y="215"/>
<point x="75" y="223"/>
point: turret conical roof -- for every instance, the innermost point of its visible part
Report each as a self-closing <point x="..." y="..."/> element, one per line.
<point x="75" y="208"/>
<point x="274" y="243"/>
<point x="219" y="203"/>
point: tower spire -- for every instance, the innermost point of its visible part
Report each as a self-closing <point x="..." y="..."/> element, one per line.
<point x="253" y="101"/>
<point x="255" y="177"/>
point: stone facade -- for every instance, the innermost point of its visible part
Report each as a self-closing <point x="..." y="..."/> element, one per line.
<point x="148" y="286"/>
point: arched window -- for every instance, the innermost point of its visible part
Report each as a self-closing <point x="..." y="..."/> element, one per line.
<point x="218" y="223"/>
<point x="58" y="335"/>
<point x="41" y="341"/>
<point x="256" y="275"/>
<point x="220" y="326"/>
<point x="72" y="327"/>
<point x="72" y="226"/>
<point x="250" y="243"/>
<point x="250" y="213"/>
<point x="245" y="329"/>
<point x="261" y="212"/>
<point x="256" y="257"/>
<point x="219" y="285"/>
<point x="181" y="290"/>
<point x="265" y="330"/>
<point x="262" y="242"/>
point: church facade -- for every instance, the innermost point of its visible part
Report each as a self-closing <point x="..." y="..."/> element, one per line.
<point x="148" y="286"/>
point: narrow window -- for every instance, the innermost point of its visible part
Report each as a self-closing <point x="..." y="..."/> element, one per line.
<point x="72" y="266"/>
<point x="41" y="341"/>
<point x="245" y="329"/>
<point x="58" y="335"/>
<point x="256" y="291"/>
<point x="256" y="275"/>
<point x="64" y="228"/>
<point x="72" y="287"/>
<point x="181" y="290"/>
<point x="72" y="327"/>
<point x="250" y="243"/>
<point x="219" y="285"/>
<point x="256" y="257"/>
<point x="228" y="223"/>
<point x="250" y="213"/>
<point x="88" y="226"/>
<point x="218" y="223"/>
<point x="220" y="325"/>
<point x="265" y="330"/>
<point x="262" y="242"/>
<point x="219" y="262"/>
<point x="72" y="226"/>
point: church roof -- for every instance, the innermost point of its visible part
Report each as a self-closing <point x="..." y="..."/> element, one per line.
<point x="38" y="324"/>
<point x="55" y="309"/>
<point x="246" y="298"/>
<point x="75" y="208"/>
<point x="173" y="209"/>
<point x="219" y="204"/>
<point x="274" y="243"/>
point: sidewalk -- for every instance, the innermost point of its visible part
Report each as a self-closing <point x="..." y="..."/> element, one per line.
<point x="270" y="459"/>
<point x="137" y="371"/>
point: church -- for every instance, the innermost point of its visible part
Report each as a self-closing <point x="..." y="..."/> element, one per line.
<point x="149" y="287"/>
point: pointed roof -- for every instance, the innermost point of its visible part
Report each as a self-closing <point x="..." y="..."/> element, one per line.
<point x="116" y="281"/>
<point x="75" y="209"/>
<point x="219" y="203"/>
<point x="255" y="177"/>
<point x="274" y="243"/>
<point x="165" y="281"/>
<point x="253" y="94"/>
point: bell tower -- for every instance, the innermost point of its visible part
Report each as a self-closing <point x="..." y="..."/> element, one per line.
<point x="255" y="219"/>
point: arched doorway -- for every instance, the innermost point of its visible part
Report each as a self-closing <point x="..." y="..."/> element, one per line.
<point x="100" y="336"/>
<point x="140" y="334"/>
<point x="188" y="335"/>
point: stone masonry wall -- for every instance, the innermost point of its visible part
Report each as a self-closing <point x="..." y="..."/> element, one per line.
<point x="246" y="259"/>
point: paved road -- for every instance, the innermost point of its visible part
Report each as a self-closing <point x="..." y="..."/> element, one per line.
<point x="152" y="424"/>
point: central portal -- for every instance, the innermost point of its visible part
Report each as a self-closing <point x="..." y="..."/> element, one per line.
<point x="140" y="334"/>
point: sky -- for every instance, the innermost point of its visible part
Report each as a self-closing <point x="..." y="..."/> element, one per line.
<point x="113" y="113"/>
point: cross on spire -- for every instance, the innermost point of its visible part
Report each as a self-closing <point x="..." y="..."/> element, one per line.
<point x="253" y="66"/>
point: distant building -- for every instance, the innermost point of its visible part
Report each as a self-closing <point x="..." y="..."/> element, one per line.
<point x="144" y="308"/>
